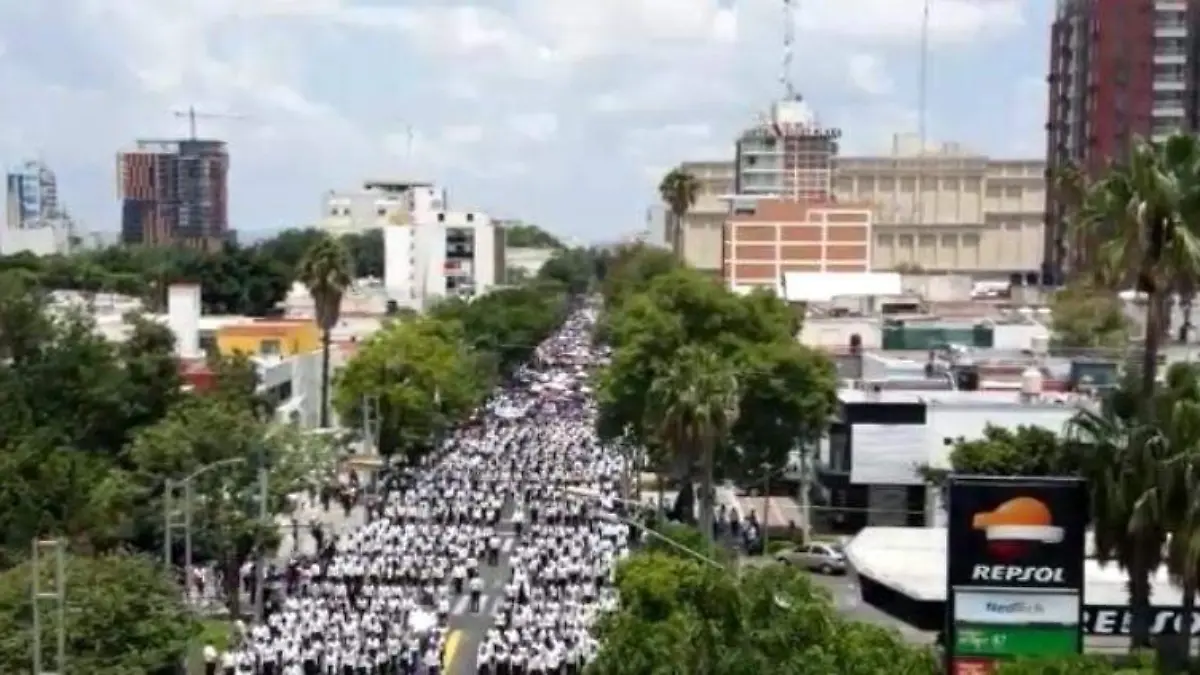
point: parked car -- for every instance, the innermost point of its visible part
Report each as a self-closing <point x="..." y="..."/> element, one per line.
<point x="816" y="557"/>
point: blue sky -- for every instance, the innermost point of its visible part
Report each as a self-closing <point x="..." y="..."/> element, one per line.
<point x="559" y="113"/>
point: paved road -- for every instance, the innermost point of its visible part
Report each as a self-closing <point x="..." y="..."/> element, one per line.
<point x="468" y="627"/>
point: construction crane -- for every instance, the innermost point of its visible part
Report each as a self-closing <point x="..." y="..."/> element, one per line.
<point x="192" y="115"/>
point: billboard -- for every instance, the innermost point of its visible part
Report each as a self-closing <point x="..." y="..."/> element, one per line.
<point x="1015" y="552"/>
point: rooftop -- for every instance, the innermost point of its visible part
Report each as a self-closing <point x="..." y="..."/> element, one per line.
<point x="912" y="561"/>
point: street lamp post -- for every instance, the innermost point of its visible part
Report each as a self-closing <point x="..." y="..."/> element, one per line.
<point x="186" y="484"/>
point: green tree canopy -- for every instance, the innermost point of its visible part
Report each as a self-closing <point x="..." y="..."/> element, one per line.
<point x="123" y="617"/>
<point x="524" y="235"/>
<point x="421" y="375"/>
<point x="1086" y="317"/>
<point x="680" y="616"/>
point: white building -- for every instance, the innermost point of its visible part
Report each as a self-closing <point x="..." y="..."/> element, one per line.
<point x="441" y="254"/>
<point x="377" y="204"/>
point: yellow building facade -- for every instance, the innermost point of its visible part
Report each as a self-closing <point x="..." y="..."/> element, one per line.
<point x="269" y="338"/>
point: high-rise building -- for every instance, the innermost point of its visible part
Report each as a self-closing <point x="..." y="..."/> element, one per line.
<point x="32" y="197"/>
<point x="1119" y="69"/>
<point x="175" y="192"/>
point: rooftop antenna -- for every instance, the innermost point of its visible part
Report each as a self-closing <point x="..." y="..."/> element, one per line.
<point x="922" y="114"/>
<point x="789" y="39"/>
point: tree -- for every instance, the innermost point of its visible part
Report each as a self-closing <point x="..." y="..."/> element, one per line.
<point x="421" y="374"/>
<point x="325" y="270"/>
<point x="1087" y="317"/>
<point x="524" y="235"/>
<point x="507" y="323"/>
<point x="694" y="405"/>
<point x="678" y="190"/>
<point x="198" y="433"/>
<point x="574" y="268"/>
<point x="1145" y="212"/>
<point x="1024" y="451"/>
<point x="123" y="616"/>
<point x="789" y="393"/>
<point x="678" y="615"/>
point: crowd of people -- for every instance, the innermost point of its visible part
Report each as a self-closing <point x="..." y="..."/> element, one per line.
<point x="377" y="599"/>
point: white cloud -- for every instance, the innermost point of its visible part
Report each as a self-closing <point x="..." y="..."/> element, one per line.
<point x="325" y="87"/>
<point x="538" y="127"/>
<point x="867" y="72"/>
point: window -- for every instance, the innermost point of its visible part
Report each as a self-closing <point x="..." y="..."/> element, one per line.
<point x="441" y="217"/>
<point x="381" y="211"/>
<point x="270" y="347"/>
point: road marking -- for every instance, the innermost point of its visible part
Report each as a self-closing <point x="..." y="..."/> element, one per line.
<point x="507" y="545"/>
<point x="451" y="651"/>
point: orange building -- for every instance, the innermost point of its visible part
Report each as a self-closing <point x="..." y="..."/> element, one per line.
<point x="766" y="237"/>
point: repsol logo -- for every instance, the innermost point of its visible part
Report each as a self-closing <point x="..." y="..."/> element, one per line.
<point x="1018" y="574"/>
<point x="1119" y="620"/>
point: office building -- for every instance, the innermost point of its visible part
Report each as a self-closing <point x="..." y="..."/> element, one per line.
<point x="174" y="192"/>
<point x="379" y="203"/>
<point x="1119" y="69"/>
<point x="442" y="254"/>
<point x="945" y="208"/>
<point x="768" y="237"/>
<point x="35" y="220"/>
<point x="971" y="214"/>
<point x="31" y="197"/>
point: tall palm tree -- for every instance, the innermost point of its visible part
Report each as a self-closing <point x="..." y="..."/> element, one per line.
<point x="1068" y="186"/>
<point x="325" y="270"/>
<point x="1144" y="213"/>
<point x="678" y="190"/>
<point x="694" y="405"/>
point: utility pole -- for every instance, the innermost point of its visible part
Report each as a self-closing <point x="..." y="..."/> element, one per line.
<point x="264" y="522"/>
<point x="192" y="115"/>
<point x="370" y="425"/>
<point x="57" y="596"/>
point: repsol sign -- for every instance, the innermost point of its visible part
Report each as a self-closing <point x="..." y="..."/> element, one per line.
<point x="1119" y="620"/>
<point x="1018" y="574"/>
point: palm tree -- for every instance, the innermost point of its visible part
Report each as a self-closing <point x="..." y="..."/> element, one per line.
<point x="694" y="405"/>
<point x="1122" y="465"/>
<point x="1068" y="186"/>
<point x="1144" y="214"/>
<point x="678" y="190"/>
<point x="325" y="270"/>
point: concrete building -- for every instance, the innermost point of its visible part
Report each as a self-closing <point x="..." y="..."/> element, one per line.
<point x="378" y="204"/>
<point x="788" y="155"/>
<point x="947" y="209"/>
<point x="175" y="192"/>
<point x="1119" y="69"/>
<point x="442" y="253"/>
<point x="35" y="220"/>
<point x="31" y="197"/>
<point x="698" y="236"/>
<point x="769" y="237"/>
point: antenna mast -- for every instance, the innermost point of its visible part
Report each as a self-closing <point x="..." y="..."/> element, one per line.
<point x="922" y="114"/>
<point x="789" y="39"/>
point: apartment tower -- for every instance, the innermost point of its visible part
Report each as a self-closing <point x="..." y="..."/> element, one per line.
<point x="1119" y="69"/>
<point x="174" y="192"/>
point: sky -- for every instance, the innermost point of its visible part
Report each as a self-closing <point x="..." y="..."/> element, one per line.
<point x="557" y="112"/>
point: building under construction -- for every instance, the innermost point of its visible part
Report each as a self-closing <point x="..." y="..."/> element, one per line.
<point x="174" y="192"/>
<point x="789" y="155"/>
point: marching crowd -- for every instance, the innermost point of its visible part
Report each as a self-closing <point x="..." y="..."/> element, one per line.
<point x="377" y="600"/>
